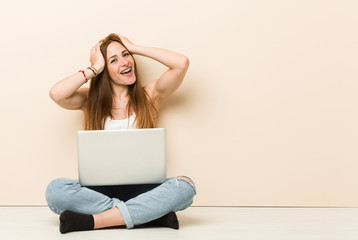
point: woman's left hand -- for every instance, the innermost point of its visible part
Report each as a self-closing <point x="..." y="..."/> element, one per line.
<point x="128" y="44"/>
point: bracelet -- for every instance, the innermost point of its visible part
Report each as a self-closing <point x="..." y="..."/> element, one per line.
<point x="84" y="75"/>
<point x="93" y="70"/>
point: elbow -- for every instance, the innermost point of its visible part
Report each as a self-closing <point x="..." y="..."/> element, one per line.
<point x="53" y="95"/>
<point x="185" y="63"/>
<point x="182" y="63"/>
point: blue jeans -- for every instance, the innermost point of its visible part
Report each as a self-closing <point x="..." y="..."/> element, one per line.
<point x="171" y="196"/>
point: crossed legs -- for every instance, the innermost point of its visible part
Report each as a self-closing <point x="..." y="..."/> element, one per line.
<point x="168" y="197"/>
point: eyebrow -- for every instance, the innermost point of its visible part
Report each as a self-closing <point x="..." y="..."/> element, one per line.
<point x="116" y="55"/>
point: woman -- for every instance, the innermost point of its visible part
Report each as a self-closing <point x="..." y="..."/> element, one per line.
<point x="117" y="100"/>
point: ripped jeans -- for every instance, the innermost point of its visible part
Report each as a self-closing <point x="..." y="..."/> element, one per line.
<point x="137" y="205"/>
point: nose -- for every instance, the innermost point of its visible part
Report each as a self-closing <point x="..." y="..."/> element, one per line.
<point x="123" y="62"/>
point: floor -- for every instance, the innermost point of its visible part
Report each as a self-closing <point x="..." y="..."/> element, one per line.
<point x="199" y="223"/>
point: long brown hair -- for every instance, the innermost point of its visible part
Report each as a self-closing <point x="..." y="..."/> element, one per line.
<point x="101" y="95"/>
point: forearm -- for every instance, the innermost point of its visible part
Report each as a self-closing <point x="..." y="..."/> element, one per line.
<point x="68" y="86"/>
<point x="166" y="57"/>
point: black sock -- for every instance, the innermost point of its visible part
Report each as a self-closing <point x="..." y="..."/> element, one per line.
<point x="72" y="221"/>
<point x="170" y="220"/>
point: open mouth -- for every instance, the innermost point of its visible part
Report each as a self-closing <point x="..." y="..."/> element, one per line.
<point x="127" y="71"/>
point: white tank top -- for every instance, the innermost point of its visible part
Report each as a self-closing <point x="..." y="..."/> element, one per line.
<point x="111" y="124"/>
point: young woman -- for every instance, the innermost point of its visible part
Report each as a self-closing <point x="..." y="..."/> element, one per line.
<point x="117" y="100"/>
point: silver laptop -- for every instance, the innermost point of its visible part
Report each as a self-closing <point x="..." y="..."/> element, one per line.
<point x="121" y="157"/>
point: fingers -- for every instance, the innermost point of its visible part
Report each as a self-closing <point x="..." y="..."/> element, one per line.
<point x="96" y="47"/>
<point x="122" y="37"/>
<point x="96" y="57"/>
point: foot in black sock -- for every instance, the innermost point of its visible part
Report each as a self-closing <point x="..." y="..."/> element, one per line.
<point x="170" y="220"/>
<point x="72" y="221"/>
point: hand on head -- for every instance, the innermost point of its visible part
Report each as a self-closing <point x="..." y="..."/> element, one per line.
<point x="96" y="57"/>
<point x="128" y="44"/>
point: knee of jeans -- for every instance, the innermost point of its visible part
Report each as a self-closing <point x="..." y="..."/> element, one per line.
<point x="188" y="180"/>
<point x="55" y="191"/>
<point x="184" y="206"/>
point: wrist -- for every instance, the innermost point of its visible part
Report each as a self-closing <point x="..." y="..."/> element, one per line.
<point x="97" y="68"/>
<point x="85" y="75"/>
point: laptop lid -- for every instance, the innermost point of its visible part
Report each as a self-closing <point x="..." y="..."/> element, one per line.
<point x="121" y="157"/>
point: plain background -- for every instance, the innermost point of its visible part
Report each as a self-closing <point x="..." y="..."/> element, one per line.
<point x="266" y="116"/>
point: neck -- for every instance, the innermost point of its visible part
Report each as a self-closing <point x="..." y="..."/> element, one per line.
<point x="120" y="93"/>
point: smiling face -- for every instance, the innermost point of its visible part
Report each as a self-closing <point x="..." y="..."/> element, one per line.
<point x="120" y="64"/>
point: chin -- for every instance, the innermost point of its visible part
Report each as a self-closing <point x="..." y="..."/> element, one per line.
<point x="127" y="82"/>
<point x="133" y="81"/>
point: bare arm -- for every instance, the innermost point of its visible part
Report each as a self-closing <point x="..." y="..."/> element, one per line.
<point x="171" y="79"/>
<point x="68" y="93"/>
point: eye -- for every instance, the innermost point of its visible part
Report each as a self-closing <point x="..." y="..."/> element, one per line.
<point x="125" y="54"/>
<point x="113" y="60"/>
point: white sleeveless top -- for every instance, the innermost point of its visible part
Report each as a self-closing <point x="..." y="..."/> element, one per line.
<point x="112" y="124"/>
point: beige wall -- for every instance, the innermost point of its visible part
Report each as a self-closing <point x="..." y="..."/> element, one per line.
<point x="266" y="116"/>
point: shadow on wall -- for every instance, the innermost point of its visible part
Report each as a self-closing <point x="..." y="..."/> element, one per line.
<point x="182" y="101"/>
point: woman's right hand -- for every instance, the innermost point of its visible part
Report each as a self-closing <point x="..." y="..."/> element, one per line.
<point x="96" y="58"/>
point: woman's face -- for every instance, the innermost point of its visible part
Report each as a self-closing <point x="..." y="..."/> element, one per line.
<point x="120" y="64"/>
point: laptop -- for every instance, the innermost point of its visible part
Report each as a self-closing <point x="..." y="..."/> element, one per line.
<point x="121" y="157"/>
